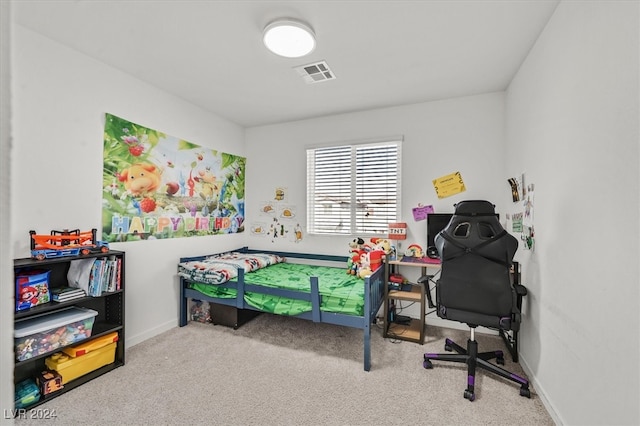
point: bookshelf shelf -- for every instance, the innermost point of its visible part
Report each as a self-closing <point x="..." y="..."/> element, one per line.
<point x="109" y="319"/>
<point x="412" y="330"/>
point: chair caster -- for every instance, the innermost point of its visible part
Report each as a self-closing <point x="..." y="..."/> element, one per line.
<point x="448" y="348"/>
<point x="525" y="392"/>
<point x="427" y="364"/>
<point x="469" y="395"/>
<point x="500" y="360"/>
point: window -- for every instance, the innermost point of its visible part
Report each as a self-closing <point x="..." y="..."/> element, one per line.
<point x="353" y="189"/>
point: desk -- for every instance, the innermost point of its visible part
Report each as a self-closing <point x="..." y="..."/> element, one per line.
<point x="422" y="262"/>
<point x="414" y="330"/>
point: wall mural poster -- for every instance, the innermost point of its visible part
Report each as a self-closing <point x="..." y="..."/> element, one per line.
<point x="159" y="186"/>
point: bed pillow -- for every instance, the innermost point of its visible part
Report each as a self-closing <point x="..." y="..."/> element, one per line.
<point x="220" y="268"/>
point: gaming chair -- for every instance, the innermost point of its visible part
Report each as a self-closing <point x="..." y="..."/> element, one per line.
<point x="476" y="287"/>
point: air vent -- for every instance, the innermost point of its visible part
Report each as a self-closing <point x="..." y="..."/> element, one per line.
<point x="316" y="72"/>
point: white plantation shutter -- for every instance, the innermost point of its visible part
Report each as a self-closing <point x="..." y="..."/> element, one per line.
<point x="353" y="189"/>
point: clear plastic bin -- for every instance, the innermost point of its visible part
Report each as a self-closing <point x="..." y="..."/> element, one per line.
<point x="47" y="333"/>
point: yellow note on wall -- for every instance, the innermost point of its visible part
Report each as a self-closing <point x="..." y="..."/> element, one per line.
<point x="449" y="185"/>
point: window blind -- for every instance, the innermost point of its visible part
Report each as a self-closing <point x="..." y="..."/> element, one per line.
<point x="353" y="189"/>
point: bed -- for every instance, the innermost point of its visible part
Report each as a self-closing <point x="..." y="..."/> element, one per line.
<point x="308" y="286"/>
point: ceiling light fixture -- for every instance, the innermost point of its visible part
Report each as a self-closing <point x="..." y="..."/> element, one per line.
<point x="289" y="38"/>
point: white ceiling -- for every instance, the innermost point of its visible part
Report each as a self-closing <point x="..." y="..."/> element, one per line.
<point x="383" y="53"/>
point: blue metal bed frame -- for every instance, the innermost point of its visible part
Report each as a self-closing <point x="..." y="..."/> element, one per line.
<point x="373" y="296"/>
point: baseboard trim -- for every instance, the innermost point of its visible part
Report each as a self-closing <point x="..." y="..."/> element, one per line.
<point x="148" y="334"/>
<point x="539" y="390"/>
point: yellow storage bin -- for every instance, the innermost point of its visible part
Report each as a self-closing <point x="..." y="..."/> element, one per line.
<point x="85" y="348"/>
<point x="71" y="368"/>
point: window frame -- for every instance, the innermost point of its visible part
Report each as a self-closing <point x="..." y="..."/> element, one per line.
<point x="357" y="224"/>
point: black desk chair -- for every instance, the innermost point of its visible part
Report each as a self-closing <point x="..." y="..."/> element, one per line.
<point x="476" y="288"/>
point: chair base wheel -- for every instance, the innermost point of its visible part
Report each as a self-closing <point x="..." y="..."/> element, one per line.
<point x="427" y="364"/>
<point x="525" y="392"/>
<point x="469" y="395"/>
<point x="500" y="361"/>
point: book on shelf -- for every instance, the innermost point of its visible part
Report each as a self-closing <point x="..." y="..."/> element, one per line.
<point x="66" y="299"/>
<point x="96" y="276"/>
<point x="94" y="279"/>
<point x="118" y="272"/>
<point x="60" y="294"/>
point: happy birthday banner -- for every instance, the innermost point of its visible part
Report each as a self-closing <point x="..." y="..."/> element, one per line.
<point x="159" y="186"/>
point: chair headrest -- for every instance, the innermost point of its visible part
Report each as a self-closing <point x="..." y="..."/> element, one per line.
<point x="475" y="208"/>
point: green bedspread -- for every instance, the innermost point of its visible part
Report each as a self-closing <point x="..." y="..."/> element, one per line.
<point x="341" y="292"/>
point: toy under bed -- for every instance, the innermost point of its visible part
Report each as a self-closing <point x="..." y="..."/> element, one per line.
<point x="279" y="283"/>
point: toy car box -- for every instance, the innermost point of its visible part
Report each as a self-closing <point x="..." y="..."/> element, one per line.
<point x="32" y="288"/>
<point x="26" y="393"/>
<point x="47" y="333"/>
<point x="70" y="368"/>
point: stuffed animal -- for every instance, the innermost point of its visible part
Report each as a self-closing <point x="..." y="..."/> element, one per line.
<point x="382" y="244"/>
<point x="414" y="250"/>
<point x="364" y="272"/>
<point x="353" y="262"/>
<point x="355" y="250"/>
<point x="375" y="259"/>
<point x="140" y="178"/>
<point x="364" y="265"/>
<point x="356" y="244"/>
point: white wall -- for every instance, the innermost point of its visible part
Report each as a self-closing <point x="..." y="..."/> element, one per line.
<point x="572" y="125"/>
<point x="60" y="98"/>
<point x="6" y="258"/>
<point x="463" y="134"/>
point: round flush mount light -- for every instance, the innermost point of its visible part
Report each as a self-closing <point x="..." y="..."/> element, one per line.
<point x="289" y="38"/>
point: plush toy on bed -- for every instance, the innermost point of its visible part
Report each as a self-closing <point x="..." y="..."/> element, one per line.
<point x="356" y="244"/>
<point x="355" y="251"/>
<point x="365" y="258"/>
<point x="353" y="261"/>
<point x="381" y="248"/>
<point x="382" y="244"/>
<point x="364" y="269"/>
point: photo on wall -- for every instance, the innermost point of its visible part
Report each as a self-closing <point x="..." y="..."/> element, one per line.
<point x="157" y="186"/>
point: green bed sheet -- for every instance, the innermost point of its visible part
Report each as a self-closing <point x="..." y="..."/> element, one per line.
<point x="341" y="293"/>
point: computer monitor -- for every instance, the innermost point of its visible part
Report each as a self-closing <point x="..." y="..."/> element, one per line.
<point x="436" y="222"/>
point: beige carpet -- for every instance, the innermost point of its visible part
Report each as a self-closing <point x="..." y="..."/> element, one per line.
<point x="277" y="370"/>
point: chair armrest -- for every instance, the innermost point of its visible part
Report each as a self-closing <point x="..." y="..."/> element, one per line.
<point x="424" y="279"/>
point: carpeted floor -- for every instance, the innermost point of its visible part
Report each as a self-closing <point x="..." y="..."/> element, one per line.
<point x="278" y="370"/>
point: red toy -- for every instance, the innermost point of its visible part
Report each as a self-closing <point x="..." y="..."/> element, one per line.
<point x="397" y="278"/>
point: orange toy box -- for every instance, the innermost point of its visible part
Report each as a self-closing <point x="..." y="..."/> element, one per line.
<point x="81" y="359"/>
